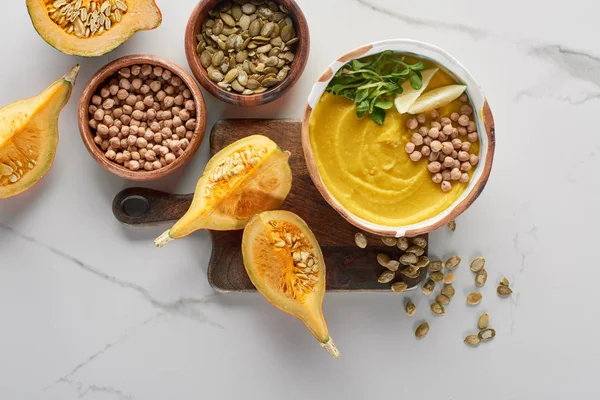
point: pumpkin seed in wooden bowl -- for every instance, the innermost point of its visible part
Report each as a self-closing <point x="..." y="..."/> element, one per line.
<point x="247" y="52"/>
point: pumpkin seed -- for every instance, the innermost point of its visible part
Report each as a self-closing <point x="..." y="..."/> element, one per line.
<point x="436" y="276"/>
<point x="448" y="291"/>
<point x="399" y="287"/>
<point x="227" y="19"/>
<point x="393" y="265"/>
<point x="205" y="59"/>
<point x="452" y="262"/>
<point x="231" y="75"/>
<point x="360" y="239"/>
<point x="442" y="299"/>
<point x="248" y="8"/>
<point x="504" y="282"/>
<point x="236" y="12"/>
<point x="474" y="298"/>
<point x="389" y="241"/>
<point x="422" y="330"/>
<point x="410" y="308"/>
<point x="481" y="278"/>
<point x="383" y="259"/>
<point x="422" y="262"/>
<point x="504" y="291"/>
<point x="217" y="58"/>
<point x="386" y="276"/>
<point x="435" y="266"/>
<point x="237" y="87"/>
<point x="486" y="334"/>
<point x="215" y="76"/>
<point x="411" y="272"/>
<point x="483" y="321"/>
<point x="287" y="33"/>
<point x="291" y="42"/>
<point x="402" y="243"/>
<point x="419" y="241"/>
<point x="437" y="308"/>
<point x="416" y="250"/>
<point x="242" y="77"/>
<point x="452" y="226"/>
<point x="244" y="22"/>
<point x="281" y="75"/>
<point x="408" y="259"/>
<point x="254" y="28"/>
<point x="477" y="264"/>
<point x="472" y="340"/>
<point x="428" y="287"/>
<point x="252" y="84"/>
<point x="449" y="278"/>
<point x="217" y="27"/>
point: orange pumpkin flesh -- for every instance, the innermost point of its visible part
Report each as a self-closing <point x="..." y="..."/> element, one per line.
<point x="284" y="262"/>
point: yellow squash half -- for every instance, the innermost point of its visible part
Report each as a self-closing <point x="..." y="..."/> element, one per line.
<point x="91" y="28"/>
<point x="29" y="136"/>
<point x="285" y="263"/>
<point x="247" y="177"/>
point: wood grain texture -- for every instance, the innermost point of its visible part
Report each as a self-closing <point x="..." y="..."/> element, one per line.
<point x="349" y="268"/>
<point x="301" y="56"/>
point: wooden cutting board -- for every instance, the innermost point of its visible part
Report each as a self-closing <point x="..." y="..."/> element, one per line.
<point x="349" y="268"/>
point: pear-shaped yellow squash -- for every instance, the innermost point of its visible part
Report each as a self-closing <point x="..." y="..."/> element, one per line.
<point x="29" y="136"/>
<point x="285" y="263"/>
<point x="245" y="178"/>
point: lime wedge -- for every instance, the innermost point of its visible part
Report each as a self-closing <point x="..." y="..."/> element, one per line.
<point x="409" y="94"/>
<point x="437" y="98"/>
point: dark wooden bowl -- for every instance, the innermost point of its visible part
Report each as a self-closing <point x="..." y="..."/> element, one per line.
<point x="88" y="137"/>
<point x="301" y="56"/>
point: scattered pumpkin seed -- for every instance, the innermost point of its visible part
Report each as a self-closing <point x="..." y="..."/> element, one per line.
<point x="487" y="334"/>
<point x="389" y="241"/>
<point x="383" y="259"/>
<point x="477" y="264"/>
<point x="449" y="278"/>
<point x="435" y="266"/>
<point x="399" y="287"/>
<point x="437" y="308"/>
<point x="504" y="282"/>
<point x="422" y="330"/>
<point x="437" y="276"/>
<point x="428" y="287"/>
<point x="504" y="291"/>
<point x="452" y="262"/>
<point x="472" y="340"/>
<point x="416" y="250"/>
<point x="483" y="321"/>
<point x="408" y="259"/>
<point x="452" y="226"/>
<point x="474" y="298"/>
<point x="402" y="243"/>
<point x="360" y="239"/>
<point x="419" y="241"/>
<point x="410" y="308"/>
<point x="386" y="276"/>
<point x="481" y="278"/>
<point x="448" y="291"/>
<point x="442" y="299"/>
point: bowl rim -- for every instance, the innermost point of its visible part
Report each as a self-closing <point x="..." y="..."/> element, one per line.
<point x="485" y="127"/>
<point x="296" y="69"/>
<point x="86" y="132"/>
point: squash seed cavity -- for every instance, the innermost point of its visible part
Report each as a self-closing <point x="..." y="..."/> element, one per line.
<point x="86" y="18"/>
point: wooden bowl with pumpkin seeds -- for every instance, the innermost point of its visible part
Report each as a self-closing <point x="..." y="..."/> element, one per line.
<point x="247" y="52"/>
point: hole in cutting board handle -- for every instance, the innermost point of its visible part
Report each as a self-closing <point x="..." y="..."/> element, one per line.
<point x="135" y="206"/>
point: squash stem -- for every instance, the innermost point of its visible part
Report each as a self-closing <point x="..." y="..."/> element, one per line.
<point x="72" y="74"/>
<point x="163" y="239"/>
<point x="330" y="347"/>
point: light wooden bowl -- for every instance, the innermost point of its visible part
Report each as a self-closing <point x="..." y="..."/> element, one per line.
<point x="88" y="136"/>
<point x="301" y="56"/>
<point x="483" y="118"/>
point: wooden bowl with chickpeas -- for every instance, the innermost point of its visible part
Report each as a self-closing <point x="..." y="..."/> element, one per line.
<point x="142" y="117"/>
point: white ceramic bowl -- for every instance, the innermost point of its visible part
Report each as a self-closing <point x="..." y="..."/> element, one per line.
<point x="483" y="118"/>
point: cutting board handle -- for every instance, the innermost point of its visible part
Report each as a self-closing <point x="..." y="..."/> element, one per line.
<point x="147" y="207"/>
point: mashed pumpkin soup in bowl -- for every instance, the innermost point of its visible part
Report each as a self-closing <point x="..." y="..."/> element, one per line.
<point x="398" y="137"/>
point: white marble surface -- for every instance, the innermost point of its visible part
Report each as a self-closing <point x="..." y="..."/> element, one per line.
<point x="90" y="309"/>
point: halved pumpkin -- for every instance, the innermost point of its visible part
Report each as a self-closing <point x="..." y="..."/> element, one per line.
<point x="284" y="262"/>
<point x="91" y="28"/>
<point x="29" y="136"/>
<point x="247" y="177"/>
